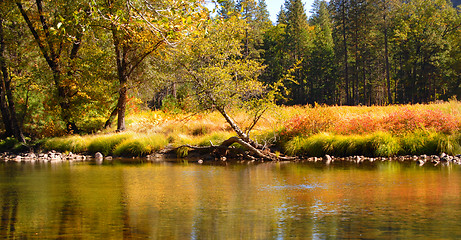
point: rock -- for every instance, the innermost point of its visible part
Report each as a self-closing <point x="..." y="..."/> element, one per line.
<point x="98" y="155"/>
<point x="200" y="161"/>
<point x="328" y="159"/>
<point x="420" y="162"/>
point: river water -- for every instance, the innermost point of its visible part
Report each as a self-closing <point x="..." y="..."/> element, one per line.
<point x="385" y="200"/>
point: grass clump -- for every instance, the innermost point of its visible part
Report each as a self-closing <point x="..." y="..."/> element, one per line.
<point x="106" y="144"/>
<point x="67" y="144"/>
<point x="140" y="146"/>
<point x="426" y="142"/>
<point x="377" y="144"/>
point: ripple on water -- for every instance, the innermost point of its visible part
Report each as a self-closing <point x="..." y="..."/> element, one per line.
<point x="293" y="187"/>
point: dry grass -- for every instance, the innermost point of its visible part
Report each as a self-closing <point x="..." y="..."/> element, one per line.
<point x="377" y="130"/>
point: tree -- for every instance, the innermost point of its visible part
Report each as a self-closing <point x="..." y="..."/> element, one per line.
<point x="341" y="18"/>
<point x="140" y="28"/>
<point x="224" y="80"/>
<point x="297" y="41"/>
<point x="422" y="39"/>
<point x="322" y="65"/>
<point x="58" y="30"/>
<point x="7" y="103"/>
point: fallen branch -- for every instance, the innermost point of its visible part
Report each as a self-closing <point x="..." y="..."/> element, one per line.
<point x="226" y="146"/>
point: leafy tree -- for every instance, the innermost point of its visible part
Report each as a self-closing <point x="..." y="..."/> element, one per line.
<point x="58" y="30"/>
<point x="224" y="80"/>
<point x="7" y="103"/>
<point x="140" y="28"/>
<point x="422" y="41"/>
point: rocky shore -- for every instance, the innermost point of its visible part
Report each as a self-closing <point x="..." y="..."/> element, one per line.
<point x="421" y="160"/>
<point x="53" y="156"/>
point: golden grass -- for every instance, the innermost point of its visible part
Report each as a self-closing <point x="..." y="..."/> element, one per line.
<point x="327" y="127"/>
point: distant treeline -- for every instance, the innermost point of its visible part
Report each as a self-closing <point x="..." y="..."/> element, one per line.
<point x="353" y="52"/>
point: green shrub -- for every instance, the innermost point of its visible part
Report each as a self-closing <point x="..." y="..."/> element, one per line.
<point x="7" y="144"/>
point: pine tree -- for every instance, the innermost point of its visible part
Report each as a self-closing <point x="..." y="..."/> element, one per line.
<point x="297" y="41"/>
<point x="322" y="66"/>
<point x="282" y="16"/>
<point x="227" y="7"/>
<point x="262" y="16"/>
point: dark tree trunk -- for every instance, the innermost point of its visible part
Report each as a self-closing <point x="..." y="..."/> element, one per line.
<point x="121" y="106"/>
<point x="346" y="57"/>
<point x="7" y="107"/>
<point x="111" y="118"/>
<point x="122" y="72"/>
<point x="386" y="56"/>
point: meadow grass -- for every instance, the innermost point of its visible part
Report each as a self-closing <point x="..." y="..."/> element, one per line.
<point x="298" y="130"/>
<point x="379" y="144"/>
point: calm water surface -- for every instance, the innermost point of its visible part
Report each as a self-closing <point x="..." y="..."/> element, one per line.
<point x="237" y="201"/>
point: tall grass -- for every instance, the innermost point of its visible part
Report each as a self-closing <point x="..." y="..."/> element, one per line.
<point x="444" y="118"/>
<point x="140" y="145"/>
<point x="379" y="144"/>
<point x="300" y="130"/>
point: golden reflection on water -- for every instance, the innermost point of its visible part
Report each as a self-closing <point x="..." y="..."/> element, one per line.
<point x="263" y="201"/>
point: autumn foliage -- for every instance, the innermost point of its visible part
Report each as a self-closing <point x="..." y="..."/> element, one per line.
<point x="364" y="120"/>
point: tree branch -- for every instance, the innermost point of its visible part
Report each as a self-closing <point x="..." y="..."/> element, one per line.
<point x="35" y="34"/>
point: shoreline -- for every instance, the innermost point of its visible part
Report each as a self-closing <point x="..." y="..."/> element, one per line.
<point x="54" y="156"/>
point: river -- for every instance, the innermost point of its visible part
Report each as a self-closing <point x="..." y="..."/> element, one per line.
<point x="132" y="200"/>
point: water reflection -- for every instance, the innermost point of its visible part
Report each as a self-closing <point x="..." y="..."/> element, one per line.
<point x="265" y="201"/>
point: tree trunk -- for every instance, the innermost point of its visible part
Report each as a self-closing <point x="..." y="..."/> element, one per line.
<point x="346" y="58"/>
<point x="111" y="118"/>
<point x="7" y="105"/>
<point x="121" y="106"/>
<point x="386" y="55"/>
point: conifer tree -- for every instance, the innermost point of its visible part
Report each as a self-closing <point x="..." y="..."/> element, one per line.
<point x="322" y="66"/>
<point x="282" y="16"/>
<point x="227" y="7"/>
<point x="297" y="44"/>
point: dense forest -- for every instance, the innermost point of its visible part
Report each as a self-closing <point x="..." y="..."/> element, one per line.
<point x="76" y="67"/>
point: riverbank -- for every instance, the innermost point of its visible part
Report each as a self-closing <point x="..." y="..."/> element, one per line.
<point x="98" y="158"/>
<point x="302" y="132"/>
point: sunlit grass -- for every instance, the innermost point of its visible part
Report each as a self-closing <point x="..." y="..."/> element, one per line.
<point x="299" y="130"/>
